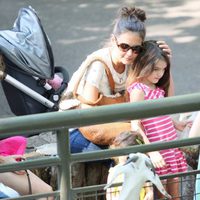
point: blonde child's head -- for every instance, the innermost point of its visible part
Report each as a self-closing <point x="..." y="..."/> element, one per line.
<point x="125" y="139"/>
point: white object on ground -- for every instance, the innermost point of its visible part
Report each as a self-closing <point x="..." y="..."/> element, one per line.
<point x="137" y="170"/>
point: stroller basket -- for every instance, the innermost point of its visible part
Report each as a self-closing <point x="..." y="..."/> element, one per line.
<point x="29" y="63"/>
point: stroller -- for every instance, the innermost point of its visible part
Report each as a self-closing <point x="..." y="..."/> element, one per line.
<point x="27" y="64"/>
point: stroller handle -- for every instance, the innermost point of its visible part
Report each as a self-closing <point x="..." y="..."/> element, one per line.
<point x="29" y="91"/>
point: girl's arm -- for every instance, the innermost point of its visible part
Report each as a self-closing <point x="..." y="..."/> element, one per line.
<point x="137" y="96"/>
<point x="155" y="156"/>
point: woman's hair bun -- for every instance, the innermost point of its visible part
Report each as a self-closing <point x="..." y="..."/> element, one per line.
<point x="133" y="12"/>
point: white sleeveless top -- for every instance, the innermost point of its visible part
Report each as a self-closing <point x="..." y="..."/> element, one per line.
<point x="96" y="75"/>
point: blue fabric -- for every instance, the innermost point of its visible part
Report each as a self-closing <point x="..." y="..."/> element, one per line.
<point x="3" y="196"/>
<point x="78" y="143"/>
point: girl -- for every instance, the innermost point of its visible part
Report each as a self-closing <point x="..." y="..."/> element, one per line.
<point x="126" y="139"/>
<point x="150" y="78"/>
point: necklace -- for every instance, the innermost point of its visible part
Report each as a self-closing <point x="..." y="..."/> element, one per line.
<point x="120" y="80"/>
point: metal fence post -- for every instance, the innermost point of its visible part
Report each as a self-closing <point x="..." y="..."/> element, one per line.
<point x="65" y="172"/>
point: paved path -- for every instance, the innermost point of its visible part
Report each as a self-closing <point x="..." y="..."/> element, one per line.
<point x="76" y="28"/>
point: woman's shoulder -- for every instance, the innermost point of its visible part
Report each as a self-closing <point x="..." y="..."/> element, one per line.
<point x="98" y="56"/>
<point x="104" y="52"/>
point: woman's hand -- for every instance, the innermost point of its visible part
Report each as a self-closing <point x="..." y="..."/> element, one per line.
<point x="165" y="47"/>
<point x="156" y="159"/>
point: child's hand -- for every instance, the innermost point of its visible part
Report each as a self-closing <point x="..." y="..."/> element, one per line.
<point x="149" y="195"/>
<point x="156" y="159"/>
<point x="180" y="125"/>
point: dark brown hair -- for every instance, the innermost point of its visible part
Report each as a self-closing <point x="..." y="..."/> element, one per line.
<point x="145" y="62"/>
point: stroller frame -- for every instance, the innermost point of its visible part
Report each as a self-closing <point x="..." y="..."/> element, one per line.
<point x="19" y="69"/>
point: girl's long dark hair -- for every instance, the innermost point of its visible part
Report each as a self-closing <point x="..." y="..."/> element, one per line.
<point x="145" y="62"/>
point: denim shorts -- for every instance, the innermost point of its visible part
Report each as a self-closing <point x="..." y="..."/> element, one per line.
<point x="78" y="143"/>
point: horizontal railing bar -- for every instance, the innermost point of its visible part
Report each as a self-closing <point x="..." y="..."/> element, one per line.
<point x="98" y="155"/>
<point x="31" y="164"/>
<point x="36" y="196"/>
<point x="100" y="187"/>
<point x="101" y="114"/>
<point x="180" y="174"/>
<point x="108" y="153"/>
<point x="91" y="188"/>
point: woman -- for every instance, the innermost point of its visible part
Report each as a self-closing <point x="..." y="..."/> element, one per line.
<point x="125" y="44"/>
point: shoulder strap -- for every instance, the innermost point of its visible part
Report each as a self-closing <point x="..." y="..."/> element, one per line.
<point x="86" y="64"/>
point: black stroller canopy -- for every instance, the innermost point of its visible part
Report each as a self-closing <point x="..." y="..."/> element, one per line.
<point x="27" y="46"/>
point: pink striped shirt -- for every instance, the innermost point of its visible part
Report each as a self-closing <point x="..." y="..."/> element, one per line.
<point x="160" y="129"/>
